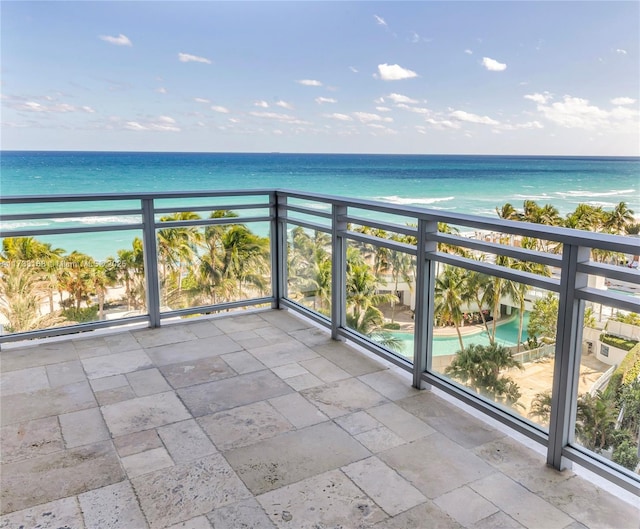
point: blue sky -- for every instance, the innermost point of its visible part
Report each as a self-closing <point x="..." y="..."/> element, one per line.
<point x="558" y="78"/>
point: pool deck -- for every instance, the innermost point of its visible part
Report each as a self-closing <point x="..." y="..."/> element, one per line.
<point x="259" y="420"/>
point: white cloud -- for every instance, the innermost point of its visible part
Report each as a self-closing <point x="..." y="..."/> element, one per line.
<point x="575" y="112"/>
<point x="621" y="51"/>
<point x="399" y="98"/>
<point x="539" y="98"/>
<point x="161" y="124"/>
<point x="220" y="109"/>
<point x="161" y="90"/>
<point x="309" y="82"/>
<point x="284" y="118"/>
<point x="354" y="70"/>
<point x="339" y="117"/>
<point x="623" y="101"/>
<point x="468" y="51"/>
<point x="120" y="40"/>
<point x="492" y="65"/>
<point x="201" y="100"/>
<point x="321" y="100"/>
<point x="186" y="57"/>
<point x="416" y="110"/>
<point x="366" y="117"/>
<point x="381" y="21"/>
<point x="383" y="109"/>
<point x="55" y="108"/>
<point x="284" y="104"/>
<point x="261" y="104"/>
<point x="461" y="115"/>
<point x="415" y="38"/>
<point x="442" y="124"/>
<point x="394" y="72"/>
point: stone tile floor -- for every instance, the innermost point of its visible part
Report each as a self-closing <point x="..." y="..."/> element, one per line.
<point x="260" y="421"/>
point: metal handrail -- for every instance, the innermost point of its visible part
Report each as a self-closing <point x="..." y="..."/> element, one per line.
<point x="572" y="265"/>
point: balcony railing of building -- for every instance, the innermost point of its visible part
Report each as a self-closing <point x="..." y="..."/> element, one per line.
<point x="411" y="285"/>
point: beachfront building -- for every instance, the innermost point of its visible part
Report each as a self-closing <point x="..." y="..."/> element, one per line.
<point x="217" y="384"/>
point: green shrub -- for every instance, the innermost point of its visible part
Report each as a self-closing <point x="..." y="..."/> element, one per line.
<point x="82" y="315"/>
<point x="392" y="326"/>
<point x="616" y="341"/>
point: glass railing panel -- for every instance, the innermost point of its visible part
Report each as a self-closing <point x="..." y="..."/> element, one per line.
<point x="309" y="264"/>
<point x="496" y="337"/>
<point x="380" y="286"/>
<point x="608" y="402"/>
<point x="209" y="265"/>
<point x="61" y="280"/>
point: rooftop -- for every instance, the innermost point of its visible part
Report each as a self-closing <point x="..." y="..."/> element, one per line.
<point x="260" y="420"/>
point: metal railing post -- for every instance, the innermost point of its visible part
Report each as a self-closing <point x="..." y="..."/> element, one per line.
<point x="423" y="314"/>
<point x="567" y="357"/>
<point x="278" y="248"/>
<point x="338" y="270"/>
<point x="150" y="253"/>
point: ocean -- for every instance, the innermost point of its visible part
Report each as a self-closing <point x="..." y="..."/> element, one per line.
<point x="464" y="183"/>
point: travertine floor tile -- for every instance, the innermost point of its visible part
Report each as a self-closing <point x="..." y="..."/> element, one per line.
<point x="182" y="492"/>
<point x="519" y="503"/>
<point x="312" y="336"/>
<point x="64" y="513"/>
<point x="243" y="362"/>
<point x="199" y="522"/>
<point x="83" y="427"/>
<point x="204" y="329"/>
<point x="327" y="500"/>
<point x="186" y="441"/>
<point x="415" y="518"/>
<point x="170" y="334"/>
<point x="354" y="363"/>
<point x="298" y="410"/>
<point x="43" y="354"/>
<point x="244" y="425"/>
<point x="248" y="322"/>
<point x="143" y="413"/>
<point x="357" y="422"/>
<point x="145" y="462"/>
<point x="30" y="439"/>
<point x="121" y="341"/>
<point x="379" y="439"/>
<point x="246" y="514"/>
<point x="390" y="384"/>
<point x="59" y="475"/>
<point x="116" y="364"/>
<point x="135" y="443"/>
<point x="305" y="381"/>
<point x="384" y="486"/>
<point x="587" y="504"/>
<point x="283" y="320"/>
<point x="65" y="373"/>
<point x="163" y="355"/>
<point x="501" y="520"/>
<point x="112" y="507"/>
<point x="147" y="382"/>
<point x="46" y="402"/>
<point x="23" y="381"/>
<point x="289" y="370"/>
<point x="344" y="397"/>
<point x="402" y="423"/>
<point x="283" y="353"/>
<point x="199" y="371"/>
<point x="325" y="370"/>
<point x="466" y="506"/>
<point x="293" y="456"/>
<point x="436" y="465"/>
<point x="205" y="399"/>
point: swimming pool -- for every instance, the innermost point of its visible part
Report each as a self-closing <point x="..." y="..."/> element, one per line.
<point x="506" y="334"/>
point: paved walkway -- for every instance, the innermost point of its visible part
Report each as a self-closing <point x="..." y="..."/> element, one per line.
<point x="259" y="421"/>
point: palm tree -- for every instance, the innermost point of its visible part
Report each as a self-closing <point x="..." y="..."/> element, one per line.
<point x="508" y="212"/>
<point x="448" y="298"/>
<point x="541" y="406"/>
<point x="480" y="367"/>
<point x="130" y="270"/>
<point x="21" y="295"/>
<point x="596" y="418"/>
<point x="176" y="247"/>
<point x="75" y="278"/>
<point x="402" y="267"/>
<point x="617" y="220"/>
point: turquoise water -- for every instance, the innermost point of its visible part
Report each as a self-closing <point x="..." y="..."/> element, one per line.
<point x="506" y="334"/>
<point x="466" y="184"/>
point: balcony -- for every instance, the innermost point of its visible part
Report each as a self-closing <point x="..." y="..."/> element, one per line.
<point x="275" y="402"/>
<point x="261" y="420"/>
